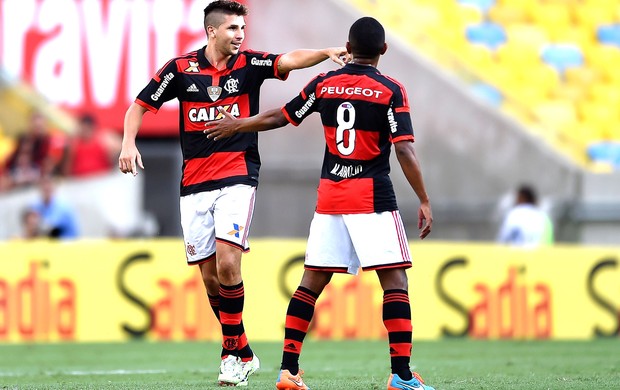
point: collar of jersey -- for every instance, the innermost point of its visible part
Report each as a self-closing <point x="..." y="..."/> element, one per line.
<point x="362" y="68"/>
<point x="204" y="62"/>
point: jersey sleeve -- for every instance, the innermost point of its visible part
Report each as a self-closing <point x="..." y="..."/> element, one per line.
<point x="399" y="116"/>
<point x="303" y="104"/>
<point x="160" y="89"/>
<point x="265" y="65"/>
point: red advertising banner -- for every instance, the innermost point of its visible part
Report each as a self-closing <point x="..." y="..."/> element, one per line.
<point x="96" y="56"/>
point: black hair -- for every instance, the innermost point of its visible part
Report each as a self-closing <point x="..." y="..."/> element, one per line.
<point x="226" y="7"/>
<point x="367" y="37"/>
<point x="527" y="194"/>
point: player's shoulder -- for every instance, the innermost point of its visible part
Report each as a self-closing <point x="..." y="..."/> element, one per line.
<point x="192" y="55"/>
<point x="318" y="79"/>
<point x="390" y="81"/>
<point x="177" y="63"/>
<point x="258" y="58"/>
<point x="396" y="87"/>
<point x="186" y="59"/>
<point x="334" y="73"/>
<point x="256" y="53"/>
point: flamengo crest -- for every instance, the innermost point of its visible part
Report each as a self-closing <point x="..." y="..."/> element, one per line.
<point x="232" y="85"/>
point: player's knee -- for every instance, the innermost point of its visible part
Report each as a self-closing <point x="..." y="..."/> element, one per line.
<point x="212" y="283"/>
<point x="315" y="281"/>
<point x="229" y="273"/>
<point x="393" y="279"/>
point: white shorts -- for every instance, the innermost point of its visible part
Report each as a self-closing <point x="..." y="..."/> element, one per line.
<point x="220" y="215"/>
<point x="348" y="242"/>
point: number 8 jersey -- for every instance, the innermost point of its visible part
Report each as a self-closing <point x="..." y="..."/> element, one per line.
<point x="363" y="113"/>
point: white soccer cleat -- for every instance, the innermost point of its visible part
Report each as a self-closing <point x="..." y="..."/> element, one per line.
<point x="248" y="368"/>
<point x="230" y="371"/>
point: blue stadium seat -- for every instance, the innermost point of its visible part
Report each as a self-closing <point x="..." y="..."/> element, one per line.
<point x="562" y="56"/>
<point x="605" y="152"/>
<point x="483" y="5"/>
<point x="488" y="93"/>
<point x="609" y="34"/>
<point x="487" y="33"/>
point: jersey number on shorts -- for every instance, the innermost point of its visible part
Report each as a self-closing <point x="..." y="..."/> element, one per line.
<point x="345" y="116"/>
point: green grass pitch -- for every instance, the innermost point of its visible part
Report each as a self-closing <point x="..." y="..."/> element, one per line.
<point x="446" y="365"/>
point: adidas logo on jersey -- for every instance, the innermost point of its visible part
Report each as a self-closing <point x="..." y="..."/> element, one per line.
<point x="192" y="88"/>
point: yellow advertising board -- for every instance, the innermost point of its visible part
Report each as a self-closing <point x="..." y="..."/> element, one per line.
<point x="121" y="290"/>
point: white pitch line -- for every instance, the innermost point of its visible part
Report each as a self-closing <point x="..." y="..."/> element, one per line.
<point x="107" y="372"/>
<point x="84" y="373"/>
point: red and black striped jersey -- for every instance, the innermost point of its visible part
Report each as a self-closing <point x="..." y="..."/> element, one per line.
<point x="201" y="89"/>
<point x="363" y="113"/>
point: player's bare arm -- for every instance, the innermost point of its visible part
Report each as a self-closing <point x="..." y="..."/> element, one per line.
<point x="130" y="157"/>
<point x="229" y="125"/>
<point x="305" y="58"/>
<point x="405" y="153"/>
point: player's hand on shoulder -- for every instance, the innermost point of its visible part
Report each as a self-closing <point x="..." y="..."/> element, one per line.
<point x="221" y="128"/>
<point x="339" y="55"/>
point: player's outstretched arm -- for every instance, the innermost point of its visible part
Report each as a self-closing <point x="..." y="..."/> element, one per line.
<point x="130" y="157"/>
<point x="405" y="153"/>
<point x="229" y="125"/>
<point x="305" y="58"/>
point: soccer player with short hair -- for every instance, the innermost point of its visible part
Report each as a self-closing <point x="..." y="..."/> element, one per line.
<point x="219" y="178"/>
<point x="356" y="223"/>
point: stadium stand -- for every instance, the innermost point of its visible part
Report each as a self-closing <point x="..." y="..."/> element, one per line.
<point x="6" y="145"/>
<point x="18" y="100"/>
<point x="553" y="65"/>
<point x="488" y="34"/>
<point x="96" y="199"/>
<point x="472" y="152"/>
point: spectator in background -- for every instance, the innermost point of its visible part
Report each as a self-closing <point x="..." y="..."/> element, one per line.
<point x="7" y="145"/>
<point x="526" y="225"/>
<point x="58" y="218"/>
<point x="28" y="159"/>
<point x="31" y="224"/>
<point x="90" y="150"/>
<point x="24" y="171"/>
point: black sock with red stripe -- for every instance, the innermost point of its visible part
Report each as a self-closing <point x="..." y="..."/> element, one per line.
<point x="397" y="321"/>
<point x="245" y="353"/>
<point x="214" y="302"/>
<point x="298" y="316"/>
<point x="234" y="340"/>
<point x="243" y="349"/>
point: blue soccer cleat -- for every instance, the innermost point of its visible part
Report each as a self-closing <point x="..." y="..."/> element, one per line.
<point x="415" y="383"/>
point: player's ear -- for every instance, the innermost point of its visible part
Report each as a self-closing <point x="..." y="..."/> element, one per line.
<point x="210" y="32"/>
<point x="348" y="47"/>
<point x="385" y="47"/>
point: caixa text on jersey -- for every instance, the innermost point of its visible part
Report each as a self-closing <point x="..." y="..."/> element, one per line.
<point x="203" y="114"/>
